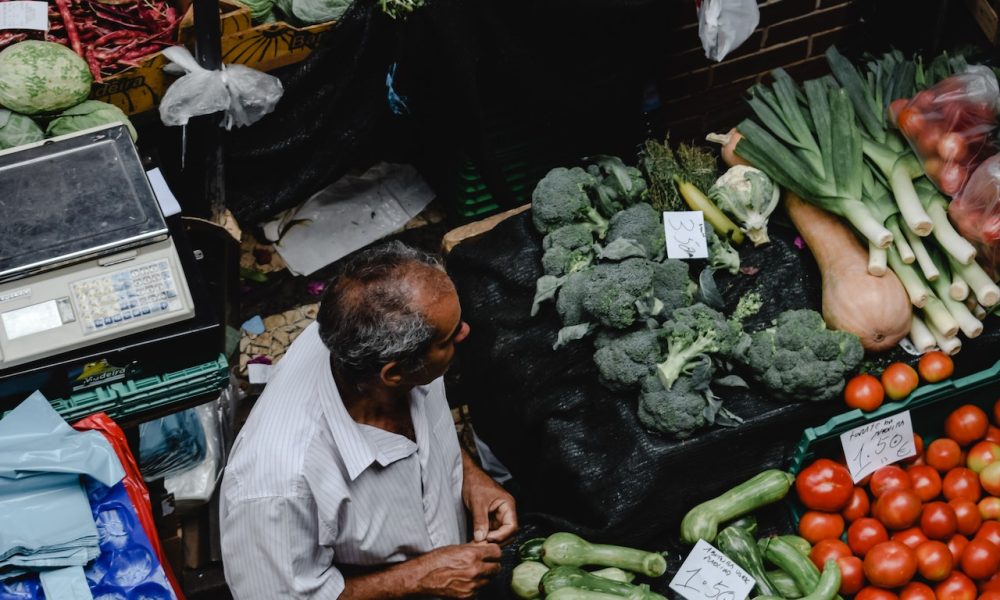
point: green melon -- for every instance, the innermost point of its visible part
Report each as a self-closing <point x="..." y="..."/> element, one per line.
<point x="42" y="77"/>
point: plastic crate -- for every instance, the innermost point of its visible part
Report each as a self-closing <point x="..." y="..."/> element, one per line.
<point x="127" y="398"/>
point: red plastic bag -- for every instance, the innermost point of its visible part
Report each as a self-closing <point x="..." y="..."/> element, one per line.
<point x="949" y="125"/>
<point x="138" y="493"/>
<point x="976" y="213"/>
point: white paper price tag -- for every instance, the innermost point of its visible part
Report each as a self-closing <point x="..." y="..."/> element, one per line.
<point x="24" y="14"/>
<point x="708" y="574"/>
<point x="685" y="233"/>
<point x="878" y="444"/>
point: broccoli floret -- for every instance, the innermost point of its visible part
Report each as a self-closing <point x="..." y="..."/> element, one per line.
<point x="800" y="359"/>
<point x="618" y="186"/>
<point x="748" y="306"/>
<point x="623" y="361"/>
<point x="679" y="411"/>
<point x="561" y="198"/>
<point x="721" y="254"/>
<point x="567" y="249"/>
<point x="618" y="293"/>
<point x="569" y="303"/>
<point x="694" y="333"/>
<point x="641" y="224"/>
<point x="672" y="285"/>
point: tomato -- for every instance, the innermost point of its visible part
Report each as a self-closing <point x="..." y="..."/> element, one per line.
<point x="824" y="485"/>
<point x="961" y="483"/>
<point x="857" y="507"/>
<point x="865" y="533"/>
<point x="897" y="509"/>
<point x="934" y="560"/>
<point x="899" y="379"/>
<point x="938" y="520"/>
<point x="989" y="530"/>
<point x="889" y="478"/>
<point x="911" y="122"/>
<point x="927" y="141"/>
<point x="896" y="107"/>
<point x="990" y="585"/>
<point x="989" y="478"/>
<point x="816" y="526"/>
<point x="926" y="482"/>
<point x="852" y="574"/>
<point x="951" y="177"/>
<point x="916" y="591"/>
<point x="944" y="454"/>
<point x="993" y="434"/>
<point x="952" y="147"/>
<point x="989" y="595"/>
<point x="957" y="545"/>
<point x="912" y="537"/>
<point x="966" y="424"/>
<point x="968" y="515"/>
<point x="981" y="559"/>
<point x="989" y="508"/>
<point x="918" y="458"/>
<point x="825" y="550"/>
<point x="864" y="392"/>
<point x="956" y="587"/>
<point x="935" y="366"/>
<point x="982" y="454"/>
<point x="874" y="593"/>
<point x="890" y="564"/>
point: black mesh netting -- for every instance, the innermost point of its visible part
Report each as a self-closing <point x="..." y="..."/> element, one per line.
<point x="581" y="460"/>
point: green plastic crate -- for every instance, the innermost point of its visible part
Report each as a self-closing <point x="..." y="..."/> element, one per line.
<point x="124" y="399"/>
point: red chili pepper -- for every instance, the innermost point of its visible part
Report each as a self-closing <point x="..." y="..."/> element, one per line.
<point x="67" y="18"/>
<point x="95" y="68"/>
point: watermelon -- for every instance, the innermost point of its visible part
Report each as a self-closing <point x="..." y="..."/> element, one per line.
<point x="16" y="130"/>
<point x="42" y="77"/>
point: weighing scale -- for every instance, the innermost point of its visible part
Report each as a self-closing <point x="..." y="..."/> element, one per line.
<point x="92" y="276"/>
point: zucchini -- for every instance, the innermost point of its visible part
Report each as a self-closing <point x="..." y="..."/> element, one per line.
<point x="738" y="544"/>
<point x="571" y="593"/>
<point x="799" y="543"/>
<point x="531" y="549"/>
<point x="569" y="550"/>
<point x="614" y="574"/>
<point x="702" y="521"/>
<point x="748" y="522"/>
<point x="784" y="583"/>
<point x="525" y="579"/>
<point x="572" y="577"/>
<point x="826" y="588"/>
<point x="787" y="558"/>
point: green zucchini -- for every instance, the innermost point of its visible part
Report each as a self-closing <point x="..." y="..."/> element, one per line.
<point x="787" y="558"/>
<point x="739" y="545"/>
<point x="702" y="522"/>
<point x="572" y="577"/>
<point x="571" y="593"/>
<point x="826" y="588"/>
<point x="525" y="579"/>
<point x="748" y="522"/>
<point x="531" y="549"/>
<point x="569" y="550"/>
<point x="615" y="574"/>
<point x="784" y="583"/>
<point x="799" y="543"/>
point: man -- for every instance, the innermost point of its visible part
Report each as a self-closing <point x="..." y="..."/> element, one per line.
<point x="347" y="480"/>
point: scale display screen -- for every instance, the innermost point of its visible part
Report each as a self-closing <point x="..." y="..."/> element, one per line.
<point x="31" y="319"/>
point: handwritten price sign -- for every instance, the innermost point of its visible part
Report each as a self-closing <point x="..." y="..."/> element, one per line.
<point x="685" y="233"/>
<point x="708" y="574"/>
<point x="872" y="446"/>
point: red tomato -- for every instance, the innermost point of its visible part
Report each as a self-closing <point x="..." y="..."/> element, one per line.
<point x="916" y="591"/>
<point x="981" y="559"/>
<point x="858" y="506"/>
<point x="957" y="545"/>
<point x="989" y="508"/>
<point x="935" y="366"/>
<point x="952" y="147"/>
<point x="864" y="392"/>
<point x="918" y="458"/>
<point x="825" y="550"/>
<point x="989" y="530"/>
<point x="865" y="533"/>
<point x="890" y="564"/>
<point x="961" y="483"/>
<point x="938" y="521"/>
<point x="951" y="178"/>
<point x="968" y="515"/>
<point x="924" y="99"/>
<point x="816" y="526"/>
<point x="912" y="537"/>
<point x="852" y="575"/>
<point x="899" y="379"/>
<point x="989" y="595"/>
<point x="989" y="478"/>
<point x="966" y="424"/>
<point x="897" y="509"/>
<point x="990" y="585"/>
<point x="927" y="141"/>
<point x="956" y="587"/>
<point x="944" y="454"/>
<point x="824" y="485"/>
<point x="874" y="593"/>
<point x="934" y="560"/>
<point x="982" y="454"/>
<point x="926" y="482"/>
<point x="911" y="122"/>
<point x="889" y="478"/>
<point x="993" y="434"/>
<point x="896" y="107"/>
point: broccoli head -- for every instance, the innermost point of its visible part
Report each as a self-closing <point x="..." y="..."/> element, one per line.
<point x="721" y="254"/>
<point x="567" y="249"/>
<point x="641" y="224"/>
<point x="800" y="359"/>
<point x="618" y="186"/>
<point x="678" y="412"/>
<point x="562" y="198"/>
<point x="693" y="334"/>
<point x="569" y="303"/>
<point x="619" y="293"/>
<point x="672" y="285"/>
<point x="623" y="361"/>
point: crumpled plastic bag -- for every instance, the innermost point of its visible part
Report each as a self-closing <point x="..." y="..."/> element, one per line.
<point x="243" y="94"/>
<point x="725" y="24"/>
<point x="976" y="213"/>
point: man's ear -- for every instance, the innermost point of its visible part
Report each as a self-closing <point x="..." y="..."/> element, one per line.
<point x="391" y="375"/>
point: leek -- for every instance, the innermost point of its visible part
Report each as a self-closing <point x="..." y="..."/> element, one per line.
<point x="920" y="336"/>
<point x="964" y="318"/>
<point x="980" y="284"/>
<point x="948" y="344"/>
<point x="959" y="289"/>
<point x="877" y="260"/>
<point x="950" y="240"/>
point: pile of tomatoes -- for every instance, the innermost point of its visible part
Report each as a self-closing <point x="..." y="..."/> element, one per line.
<point x="897" y="381"/>
<point x="926" y="530"/>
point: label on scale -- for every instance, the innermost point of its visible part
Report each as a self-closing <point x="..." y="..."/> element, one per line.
<point x="875" y="445"/>
<point x="24" y="14"/>
<point x="708" y="574"/>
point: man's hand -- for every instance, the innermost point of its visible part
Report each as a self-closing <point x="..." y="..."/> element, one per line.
<point x="458" y="571"/>
<point x="494" y="512"/>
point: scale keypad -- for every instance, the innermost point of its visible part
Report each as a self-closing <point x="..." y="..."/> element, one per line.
<point x="136" y="293"/>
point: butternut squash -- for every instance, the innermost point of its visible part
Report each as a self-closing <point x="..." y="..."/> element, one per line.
<point x="876" y="309"/>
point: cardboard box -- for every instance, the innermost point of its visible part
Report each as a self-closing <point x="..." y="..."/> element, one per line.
<point x="137" y="89"/>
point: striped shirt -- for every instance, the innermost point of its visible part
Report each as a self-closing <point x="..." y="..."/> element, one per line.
<point x="308" y="489"/>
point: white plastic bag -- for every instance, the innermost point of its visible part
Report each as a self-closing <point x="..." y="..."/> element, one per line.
<point x="725" y="24"/>
<point x="245" y="95"/>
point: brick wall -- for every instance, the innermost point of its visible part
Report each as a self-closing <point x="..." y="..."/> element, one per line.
<point x="699" y="95"/>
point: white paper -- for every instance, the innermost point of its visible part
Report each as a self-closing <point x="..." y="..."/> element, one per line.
<point x="24" y="14"/>
<point x="258" y="373"/>
<point x="875" y="445"/>
<point x="168" y="203"/>
<point x="708" y="574"/>
<point x="685" y="233"/>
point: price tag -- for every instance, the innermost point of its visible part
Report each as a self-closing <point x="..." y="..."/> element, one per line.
<point x="685" y="233"/>
<point x="24" y="14"/>
<point x="877" y="444"/>
<point x="708" y="574"/>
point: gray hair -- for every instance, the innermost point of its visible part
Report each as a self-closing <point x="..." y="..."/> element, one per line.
<point x="366" y="317"/>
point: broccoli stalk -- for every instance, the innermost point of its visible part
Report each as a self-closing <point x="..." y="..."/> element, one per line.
<point x="694" y="333"/>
